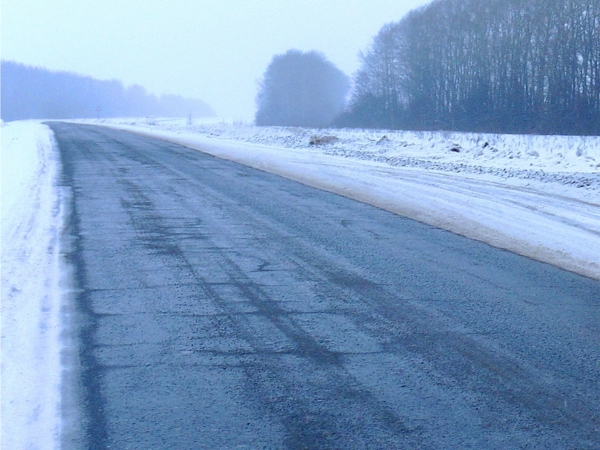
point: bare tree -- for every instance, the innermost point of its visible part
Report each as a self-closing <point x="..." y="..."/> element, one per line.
<point x="486" y="65"/>
<point x="301" y="89"/>
<point x="382" y="77"/>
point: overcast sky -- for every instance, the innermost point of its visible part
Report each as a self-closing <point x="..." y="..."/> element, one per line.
<point x="216" y="50"/>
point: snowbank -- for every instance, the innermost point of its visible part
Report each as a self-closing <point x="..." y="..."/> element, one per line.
<point x="31" y="222"/>
<point x="538" y="196"/>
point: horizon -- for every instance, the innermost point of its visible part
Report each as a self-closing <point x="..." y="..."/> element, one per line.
<point x="215" y="51"/>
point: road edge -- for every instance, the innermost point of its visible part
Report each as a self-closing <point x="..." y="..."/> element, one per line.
<point x="481" y="233"/>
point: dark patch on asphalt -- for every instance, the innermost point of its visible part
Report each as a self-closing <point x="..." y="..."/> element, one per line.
<point x="93" y="407"/>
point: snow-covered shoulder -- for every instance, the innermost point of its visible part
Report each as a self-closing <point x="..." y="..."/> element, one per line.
<point x="538" y="196"/>
<point x="31" y="222"/>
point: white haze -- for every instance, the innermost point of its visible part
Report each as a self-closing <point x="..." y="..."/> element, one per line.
<point x="216" y="50"/>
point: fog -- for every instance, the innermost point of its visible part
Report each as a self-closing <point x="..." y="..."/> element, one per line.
<point x="214" y="50"/>
<point x="34" y="93"/>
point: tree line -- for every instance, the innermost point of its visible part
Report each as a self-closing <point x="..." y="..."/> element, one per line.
<point x="516" y="66"/>
<point x="36" y="93"/>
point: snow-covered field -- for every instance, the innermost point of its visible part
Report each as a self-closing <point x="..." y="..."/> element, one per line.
<point x="538" y="196"/>
<point x="31" y="223"/>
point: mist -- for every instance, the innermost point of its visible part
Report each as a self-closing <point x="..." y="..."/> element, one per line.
<point x="301" y="90"/>
<point x="214" y="50"/>
<point x="36" y="93"/>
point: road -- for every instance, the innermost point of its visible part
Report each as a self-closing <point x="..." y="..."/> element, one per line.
<point x="218" y="306"/>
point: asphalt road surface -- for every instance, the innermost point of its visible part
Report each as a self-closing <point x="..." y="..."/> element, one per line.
<point x="222" y="307"/>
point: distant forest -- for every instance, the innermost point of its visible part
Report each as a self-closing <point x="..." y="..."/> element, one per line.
<point x="511" y="66"/>
<point x="35" y="93"/>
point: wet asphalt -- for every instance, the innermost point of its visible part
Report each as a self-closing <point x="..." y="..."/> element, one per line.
<point x="221" y="307"/>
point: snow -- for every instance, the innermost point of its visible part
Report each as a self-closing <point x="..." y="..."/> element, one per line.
<point x="31" y="222"/>
<point x="535" y="195"/>
<point x="538" y="196"/>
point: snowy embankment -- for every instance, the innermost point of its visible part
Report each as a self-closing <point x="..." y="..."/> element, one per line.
<point x="538" y="196"/>
<point x="32" y="219"/>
